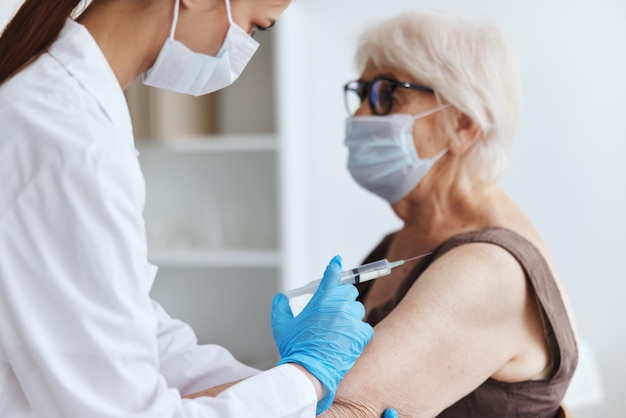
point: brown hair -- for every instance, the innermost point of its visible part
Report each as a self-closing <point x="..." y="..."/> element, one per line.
<point x="33" y="29"/>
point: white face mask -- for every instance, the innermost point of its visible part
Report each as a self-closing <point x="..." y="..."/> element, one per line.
<point x="182" y="70"/>
<point x="382" y="157"/>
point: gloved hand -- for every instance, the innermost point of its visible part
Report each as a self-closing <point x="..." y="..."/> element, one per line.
<point x="327" y="336"/>
<point x="390" y="413"/>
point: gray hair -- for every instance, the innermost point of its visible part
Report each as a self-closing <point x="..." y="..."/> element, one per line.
<point x="469" y="65"/>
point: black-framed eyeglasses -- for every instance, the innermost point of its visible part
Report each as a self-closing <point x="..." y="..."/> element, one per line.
<point x="379" y="92"/>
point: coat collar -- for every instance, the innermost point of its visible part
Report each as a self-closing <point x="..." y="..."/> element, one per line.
<point x="79" y="53"/>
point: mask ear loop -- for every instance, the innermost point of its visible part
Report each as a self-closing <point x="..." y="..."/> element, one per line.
<point x="440" y="154"/>
<point x="175" y="19"/>
<point x="229" y="13"/>
<point x="431" y="111"/>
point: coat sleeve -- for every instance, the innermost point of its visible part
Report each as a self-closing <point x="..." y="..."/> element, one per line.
<point x="191" y="367"/>
<point x="77" y="326"/>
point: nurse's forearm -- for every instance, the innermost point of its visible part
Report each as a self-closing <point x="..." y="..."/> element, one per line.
<point x="214" y="391"/>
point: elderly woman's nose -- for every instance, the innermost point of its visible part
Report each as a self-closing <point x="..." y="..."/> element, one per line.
<point x="363" y="110"/>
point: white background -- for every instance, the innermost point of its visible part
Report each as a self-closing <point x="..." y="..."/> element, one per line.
<point x="7" y="8"/>
<point x="568" y="164"/>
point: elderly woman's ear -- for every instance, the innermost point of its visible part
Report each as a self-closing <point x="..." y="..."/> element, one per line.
<point x="467" y="133"/>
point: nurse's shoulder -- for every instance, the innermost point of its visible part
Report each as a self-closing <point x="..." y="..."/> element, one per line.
<point x="39" y="108"/>
<point x="50" y="117"/>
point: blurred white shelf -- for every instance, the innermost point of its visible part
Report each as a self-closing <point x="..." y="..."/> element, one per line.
<point x="211" y="144"/>
<point x="216" y="258"/>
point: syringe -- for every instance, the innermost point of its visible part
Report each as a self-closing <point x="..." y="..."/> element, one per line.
<point x="364" y="273"/>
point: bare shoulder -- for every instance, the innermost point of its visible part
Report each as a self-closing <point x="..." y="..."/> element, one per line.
<point x="479" y="257"/>
<point x="479" y="277"/>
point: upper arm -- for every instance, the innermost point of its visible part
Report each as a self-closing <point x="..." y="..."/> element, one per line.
<point x="455" y="328"/>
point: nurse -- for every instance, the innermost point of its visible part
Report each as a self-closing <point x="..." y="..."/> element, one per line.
<point x="79" y="334"/>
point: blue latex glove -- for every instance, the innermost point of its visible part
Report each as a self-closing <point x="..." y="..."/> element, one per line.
<point x="390" y="413"/>
<point x="327" y="336"/>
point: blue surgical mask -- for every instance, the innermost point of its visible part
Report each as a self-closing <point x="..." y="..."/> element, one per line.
<point x="382" y="156"/>
<point x="182" y="70"/>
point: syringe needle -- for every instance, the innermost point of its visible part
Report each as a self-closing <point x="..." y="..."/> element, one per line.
<point x="417" y="256"/>
<point x="398" y="263"/>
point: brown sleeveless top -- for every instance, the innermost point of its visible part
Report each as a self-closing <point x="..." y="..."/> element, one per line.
<point x="495" y="399"/>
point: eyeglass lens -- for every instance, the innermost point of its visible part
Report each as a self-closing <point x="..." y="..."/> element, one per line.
<point x="378" y="92"/>
<point x="381" y="96"/>
<point x="354" y="94"/>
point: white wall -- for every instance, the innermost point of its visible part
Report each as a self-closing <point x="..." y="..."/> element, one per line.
<point x="568" y="164"/>
<point x="7" y="10"/>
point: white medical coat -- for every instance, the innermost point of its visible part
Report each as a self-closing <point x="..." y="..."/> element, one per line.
<point x="79" y="335"/>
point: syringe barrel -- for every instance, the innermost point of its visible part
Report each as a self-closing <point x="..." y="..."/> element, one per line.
<point x="309" y="288"/>
<point x="366" y="272"/>
<point x="356" y="275"/>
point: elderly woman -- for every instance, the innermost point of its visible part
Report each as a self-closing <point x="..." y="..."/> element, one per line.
<point x="481" y="326"/>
